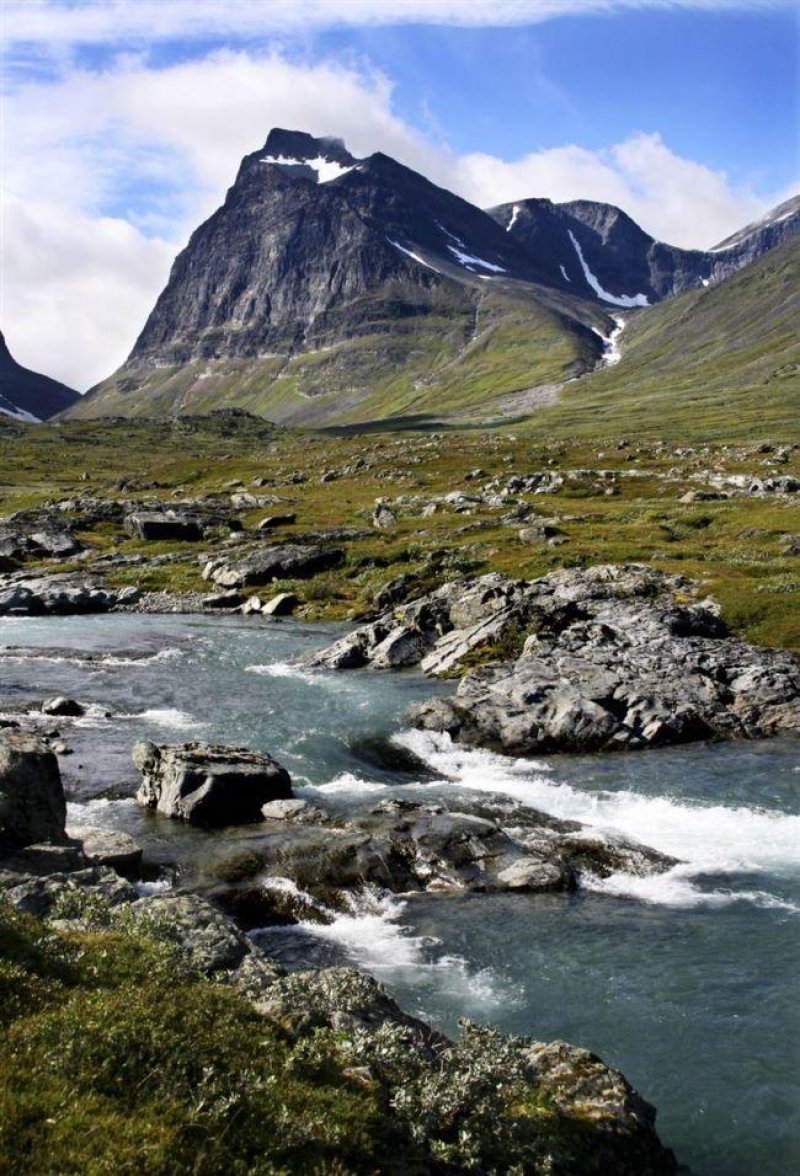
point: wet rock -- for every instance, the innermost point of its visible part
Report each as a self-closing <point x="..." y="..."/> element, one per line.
<point x="404" y="846"/>
<point x="68" y="707"/>
<point x="32" y="804"/>
<point x="207" y="784"/>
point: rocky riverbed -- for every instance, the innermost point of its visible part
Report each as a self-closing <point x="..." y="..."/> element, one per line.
<point x="403" y="818"/>
<point x="46" y="872"/>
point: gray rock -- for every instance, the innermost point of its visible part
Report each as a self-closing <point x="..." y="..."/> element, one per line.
<point x="282" y="605"/>
<point x="208" y="785"/>
<point x="39" y="895"/>
<point x="164" y="525"/>
<point x="108" y="847"/>
<point x="287" y="562"/>
<point x="276" y="520"/>
<point x="612" y="658"/>
<point x="32" y="804"/>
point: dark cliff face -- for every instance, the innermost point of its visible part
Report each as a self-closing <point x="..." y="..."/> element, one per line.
<point x="24" y="393"/>
<point x="624" y="261"/>
<point x="311" y="245"/>
<point x="779" y="225"/>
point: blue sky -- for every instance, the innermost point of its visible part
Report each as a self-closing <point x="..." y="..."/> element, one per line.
<point x="126" y="119"/>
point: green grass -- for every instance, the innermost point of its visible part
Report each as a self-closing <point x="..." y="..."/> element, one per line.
<point x="734" y="548"/>
<point x="117" y="1058"/>
<point x="716" y="364"/>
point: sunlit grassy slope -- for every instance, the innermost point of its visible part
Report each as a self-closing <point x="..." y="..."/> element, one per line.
<point x="720" y="363"/>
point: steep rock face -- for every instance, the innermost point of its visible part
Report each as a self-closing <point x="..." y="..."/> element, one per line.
<point x="777" y="227"/>
<point x="310" y="245"/>
<point x="601" y="253"/>
<point x="27" y="395"/>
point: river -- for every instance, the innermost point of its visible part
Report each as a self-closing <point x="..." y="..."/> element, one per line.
<point x="686" y="981"/>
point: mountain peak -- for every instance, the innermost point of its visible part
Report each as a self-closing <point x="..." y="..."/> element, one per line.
<point x="320" y="159"/>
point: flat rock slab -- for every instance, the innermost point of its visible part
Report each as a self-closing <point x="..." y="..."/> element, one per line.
<point x="108" y="847"/>
<point x="206" y="784"/>
<point x="168" y="525"/>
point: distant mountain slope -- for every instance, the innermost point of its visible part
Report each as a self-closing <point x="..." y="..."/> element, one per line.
<point x="716" y="362"/>
<point x="28" y="395"/>
<point x="602" y="253"/>
<point x="329" y="289"/>
<point x="326" y="288"/>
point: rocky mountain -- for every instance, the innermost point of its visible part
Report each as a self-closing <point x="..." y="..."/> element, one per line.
<point x="603" y="254"/>
<point x="330" y="289"/>
<point x="27" y="395"/>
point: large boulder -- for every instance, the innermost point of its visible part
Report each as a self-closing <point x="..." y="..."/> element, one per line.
<point x="164" y="525"/>
<point x="206" y="784"/>
<point x="32" y="804"/>
<point x="290" y="561"/>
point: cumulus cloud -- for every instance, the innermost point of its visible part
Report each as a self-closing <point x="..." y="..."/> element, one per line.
<point x="108" y="172"/>
<point x="76" y="288"/>
<point x="675" y="199"/>
<point x="55" y="22"/>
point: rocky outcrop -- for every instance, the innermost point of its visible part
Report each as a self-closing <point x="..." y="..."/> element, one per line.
<point x="208" y="785"/>
<point x="609" y="657"/>
<point x="596" y="247"/>
<point x="288" y="562"/>
<point x="108" y="847"/>
<point x="164" y="526"/>
<point x="309" y="864"/>
<point x="32" y="804"/>
<point x="61" y="596"/>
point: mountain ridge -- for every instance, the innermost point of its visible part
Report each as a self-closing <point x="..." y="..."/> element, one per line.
<point x="327" y="288"/>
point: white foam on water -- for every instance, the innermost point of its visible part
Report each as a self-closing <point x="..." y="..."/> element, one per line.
<point x="88" y="661"/>
<point x="708" y="838"/>
<point x="347" y="783"/>
<point x="168" y="716"/>
<point x="373" y="937"/>
<point x="300" y="673"/>
<point x="86" y="812"/>
<point x="159" y="886"/>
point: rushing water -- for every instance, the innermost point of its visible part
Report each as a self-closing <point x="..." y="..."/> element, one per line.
<point x="687" y="981"/>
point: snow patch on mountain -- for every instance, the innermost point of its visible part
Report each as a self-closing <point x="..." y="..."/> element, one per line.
<point x="565" y="274"/>
<point x="627" y="300"/>
<point x="468" y="260"/>
<point x="326" y="169"/>
<point x="410" y="253"/>
<point x="515" y="211"/>
<point x="19" y="414"/>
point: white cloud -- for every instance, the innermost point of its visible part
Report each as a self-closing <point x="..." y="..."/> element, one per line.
<point x="76" y="289"/>
<point x="56" y="22"/>
<point x="676" y="200"/>
<point x="109" y="171"/>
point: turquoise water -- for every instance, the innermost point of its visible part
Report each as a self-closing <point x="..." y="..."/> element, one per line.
<point x="686" y="982"/>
